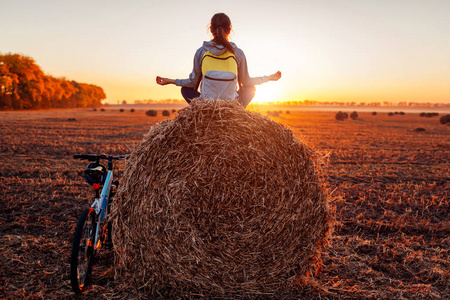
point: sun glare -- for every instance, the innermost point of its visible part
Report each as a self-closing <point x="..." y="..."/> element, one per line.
<point x="266" y="93"/>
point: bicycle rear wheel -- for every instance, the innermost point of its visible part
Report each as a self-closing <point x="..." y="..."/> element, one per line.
<point x="82" y="256"/>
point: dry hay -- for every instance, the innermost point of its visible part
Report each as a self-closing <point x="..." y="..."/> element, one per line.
<point x="219" y="202"/>
<point x="445" y="119"/>
<point x="151" y="113"/>
<point x="340" y="116"/>
<point x="273" y="113"/>
<point x="166" y="113"/>
<point x="354" y="115"/>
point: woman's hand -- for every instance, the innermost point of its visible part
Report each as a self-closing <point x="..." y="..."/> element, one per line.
<point x="275" y="76"/>
<point x="164" y="81"/>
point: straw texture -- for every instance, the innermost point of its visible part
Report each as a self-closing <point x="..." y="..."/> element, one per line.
<point x="219" y="202"/>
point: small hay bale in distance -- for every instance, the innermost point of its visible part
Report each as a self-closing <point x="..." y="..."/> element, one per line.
<point x="94" y="109"/>
<point x="217" y="202"/>
<point x="354" y="115"/>
<point x="419" y="129"/>
<point x="401" y="113"/>
<point x="132" y="110"/>
<point x="166" y="113"/>
<point x="444" y="119"/>
<point x="151" y="113"/>
<point x="339" y="116"/>
<point x="374" y="113"/>
<point x="121" y="110"/>
<point x="174" y="110"/>
<point x="390" y="114"/>
<point x="102" y="109"/>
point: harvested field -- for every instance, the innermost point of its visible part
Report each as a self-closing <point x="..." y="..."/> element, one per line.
<point x="390" y="192"/>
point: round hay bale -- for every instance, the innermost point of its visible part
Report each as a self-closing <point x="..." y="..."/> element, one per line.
<point x="340" y="116"/>
<point x="95" y="109"/>
<point x="102" y="109"/>
<point x="219" y="201"/>
<point x="401" y="113"/>
<point x="121" y="110"/>
<point x="390" y="114"/>
<point x="374" y="113"/>
<point x="174" y="110"/>
<point x="151" y="113"/>
<point x="132" y="110"/>
<point x="445" y="119"/>
<point x="354" y="115"/>
<point x="273" y="113"/>
<point x="422" y="114"/>
<point x="419" y="129"/>
<point x="166" y="113"/>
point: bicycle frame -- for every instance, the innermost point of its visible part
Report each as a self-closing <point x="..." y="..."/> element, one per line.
<point x="100" y="206"/>
<point x="93" y="227"/>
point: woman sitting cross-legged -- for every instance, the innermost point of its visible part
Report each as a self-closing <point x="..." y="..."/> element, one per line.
<point x="220" y="69"/>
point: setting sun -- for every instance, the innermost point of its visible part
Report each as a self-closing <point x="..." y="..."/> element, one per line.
<point x="267" y="93"/>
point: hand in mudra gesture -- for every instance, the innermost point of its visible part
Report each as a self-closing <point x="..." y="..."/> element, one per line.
<point x="275" y="76"/>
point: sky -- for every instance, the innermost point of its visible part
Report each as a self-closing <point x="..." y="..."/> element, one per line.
<point x="327" y="50"/>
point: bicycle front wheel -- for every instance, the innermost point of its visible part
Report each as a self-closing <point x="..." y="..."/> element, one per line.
<point x="82" y="256"/>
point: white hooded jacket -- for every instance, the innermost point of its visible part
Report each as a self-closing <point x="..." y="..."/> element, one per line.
<point x="195" y="78"/>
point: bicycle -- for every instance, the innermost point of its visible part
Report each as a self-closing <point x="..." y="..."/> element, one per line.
<point x="93" y="228"/>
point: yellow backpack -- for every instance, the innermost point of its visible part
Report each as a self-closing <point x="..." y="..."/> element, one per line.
<point x="219" y="76"/>
<point x="225" y="62"/>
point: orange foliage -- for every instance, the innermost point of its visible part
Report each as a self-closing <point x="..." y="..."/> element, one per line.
<point x="23" y="85"/>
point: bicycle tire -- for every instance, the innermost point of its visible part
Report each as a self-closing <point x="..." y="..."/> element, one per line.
<point x="82" y="257"/>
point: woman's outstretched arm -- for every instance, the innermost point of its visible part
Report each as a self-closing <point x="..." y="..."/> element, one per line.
<point x="244" y="77"/>
<point x="164" y="81"/>
<point x="275" y="76"/>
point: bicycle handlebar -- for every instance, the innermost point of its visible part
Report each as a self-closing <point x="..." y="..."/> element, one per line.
<point x="95" y="157"/>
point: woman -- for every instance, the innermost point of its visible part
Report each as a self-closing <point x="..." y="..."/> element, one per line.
<point x="220" y="69"/>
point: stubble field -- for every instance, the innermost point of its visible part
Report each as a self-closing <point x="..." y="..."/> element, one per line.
<point x="389" y="188"/>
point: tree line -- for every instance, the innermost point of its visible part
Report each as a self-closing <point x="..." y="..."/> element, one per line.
<point x="23" y="85"/>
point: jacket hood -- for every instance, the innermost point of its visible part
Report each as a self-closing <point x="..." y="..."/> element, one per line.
<point x="215" y="48"/>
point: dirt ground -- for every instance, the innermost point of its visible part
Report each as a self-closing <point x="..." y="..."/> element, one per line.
<point x="389" y="185"/>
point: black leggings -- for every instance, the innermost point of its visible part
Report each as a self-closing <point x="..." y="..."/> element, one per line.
<point x="246" y="94"/>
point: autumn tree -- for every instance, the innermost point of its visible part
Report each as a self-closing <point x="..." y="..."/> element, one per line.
<point x="23" y="85"/>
